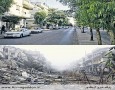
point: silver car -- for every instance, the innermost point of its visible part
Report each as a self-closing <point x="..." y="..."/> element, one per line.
<point x="36" y="30"/>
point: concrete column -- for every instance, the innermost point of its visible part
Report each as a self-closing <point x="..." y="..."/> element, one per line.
<point x="24" y="22"/>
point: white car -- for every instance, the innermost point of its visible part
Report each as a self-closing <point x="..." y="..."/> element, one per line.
<point x="37" y="30"/>
<point x="22" y="32"/>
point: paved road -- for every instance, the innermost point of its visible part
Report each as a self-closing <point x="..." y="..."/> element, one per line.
<point x="104" y="36"/>
<point x="51" y="37"/>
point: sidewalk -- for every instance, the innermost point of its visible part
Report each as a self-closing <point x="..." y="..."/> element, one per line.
<point x="84" y="38"/>
<point x="1" y="35"/>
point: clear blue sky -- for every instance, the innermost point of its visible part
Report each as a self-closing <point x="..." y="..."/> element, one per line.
<point x="53" y="4"/>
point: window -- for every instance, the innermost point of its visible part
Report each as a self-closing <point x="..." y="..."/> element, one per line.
<point x="17" y="7"/>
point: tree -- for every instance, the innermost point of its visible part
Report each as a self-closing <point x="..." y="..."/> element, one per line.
<point x="11" y="20"/>
<point x="97" y="14"/>
<point x="57" y="17"/>
<point x="81" y="15"/>
<point x="40" y="17"/>
<point x="109" y="19"/>
<point x="5" y="5"/>
<point x="83" y="19"/>
<point x="85" y="16"/>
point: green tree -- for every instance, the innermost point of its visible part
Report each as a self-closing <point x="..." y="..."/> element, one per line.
<point x="109" y="19"/>
<point x="11" y="21"/>
<point x="57" y="17"/>
<point x="82" y="16"/>
<point x="5" y="5"/>
<point x="97" y="14"/>
<point x="40" y="17"/>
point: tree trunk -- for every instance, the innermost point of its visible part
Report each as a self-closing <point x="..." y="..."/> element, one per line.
<point x="91" y="32"/>
<point x="112" y="36"/>
<point x="82" y="30"/>
<point x="98" y="37"/>
<point x="41" y="25"/>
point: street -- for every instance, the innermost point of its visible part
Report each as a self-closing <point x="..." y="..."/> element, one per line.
<point x="50" y="37"/>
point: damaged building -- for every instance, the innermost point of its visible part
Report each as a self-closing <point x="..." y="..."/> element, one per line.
<point x="94" y="61"/>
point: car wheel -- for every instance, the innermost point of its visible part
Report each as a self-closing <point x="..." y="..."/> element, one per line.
<point x="21" y="35"/>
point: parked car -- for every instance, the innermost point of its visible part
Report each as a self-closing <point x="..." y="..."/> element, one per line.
<point x="20" y="33"/>
<point x="37" y="30"/>
<point x="65" y="27"/>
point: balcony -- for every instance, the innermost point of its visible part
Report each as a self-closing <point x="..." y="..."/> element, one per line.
<point x="18" y="2"/>
<point x="42" y="6"/>
<point x="27" y="5"/>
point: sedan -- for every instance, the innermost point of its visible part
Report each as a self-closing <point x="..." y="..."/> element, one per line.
<point x="37" y="30"/>
<point x="20" y="33"/>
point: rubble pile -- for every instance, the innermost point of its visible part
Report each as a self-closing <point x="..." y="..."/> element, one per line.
<point x="22" y="67"/>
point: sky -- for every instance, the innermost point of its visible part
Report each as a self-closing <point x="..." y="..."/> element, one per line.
<point x="61" y="56"/>
<point x="53" y="4"/>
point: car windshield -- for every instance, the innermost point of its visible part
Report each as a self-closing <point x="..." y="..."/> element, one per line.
<point x="36" y="28"/>
<point x="21" y="29"/>
<point x="12" y="31"/>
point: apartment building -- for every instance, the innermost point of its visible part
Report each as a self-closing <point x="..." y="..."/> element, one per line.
<point x="12" y="54"/>
<point x="26" y="11"/>
<point x="92" y="62"/>
<point x="20" y="8"/>
<point x="31" y="20"/>
<point x="37" y="6"/>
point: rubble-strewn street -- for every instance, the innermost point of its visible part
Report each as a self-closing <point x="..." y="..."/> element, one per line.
<point x="24" y="67"/>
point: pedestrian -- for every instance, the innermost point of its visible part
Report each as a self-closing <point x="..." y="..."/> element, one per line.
<point x="3" y="29"/>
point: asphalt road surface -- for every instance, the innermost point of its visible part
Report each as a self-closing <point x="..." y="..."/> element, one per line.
<point x="50" y="37"/>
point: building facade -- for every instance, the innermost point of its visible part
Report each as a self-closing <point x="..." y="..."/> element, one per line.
<point x="94" y="61"/>
<point x="25" y="9"/>
<point x="19" y="8"/>
<point x="37" y="6"/>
